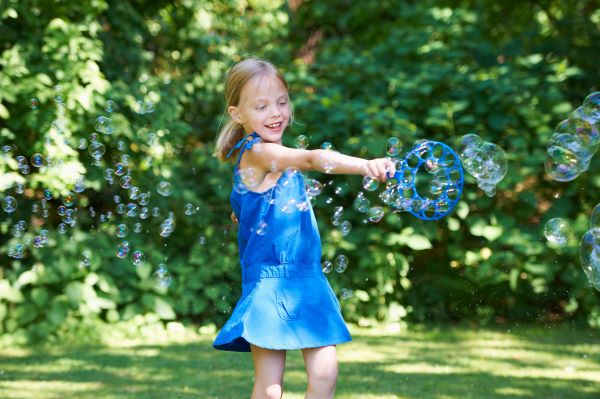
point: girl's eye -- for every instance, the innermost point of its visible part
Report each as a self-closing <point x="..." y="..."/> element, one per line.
<point x="261" y="107"/>
<point x="283" y="103"/>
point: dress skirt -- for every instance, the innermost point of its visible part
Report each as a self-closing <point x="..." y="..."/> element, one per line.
<point x="288" y="306"/>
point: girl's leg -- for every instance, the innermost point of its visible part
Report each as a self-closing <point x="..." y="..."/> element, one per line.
<point x="268" y="373"/>
<point x="322" y="370"/>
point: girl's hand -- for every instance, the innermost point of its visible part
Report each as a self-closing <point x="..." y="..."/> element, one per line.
<point x="233" y="218"/>
<point x="380" y="169"/>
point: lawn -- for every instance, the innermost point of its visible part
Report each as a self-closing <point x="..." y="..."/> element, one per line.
<point x="443" y="363"/>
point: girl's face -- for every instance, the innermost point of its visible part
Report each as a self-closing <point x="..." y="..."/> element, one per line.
<point x="264" y="108"/>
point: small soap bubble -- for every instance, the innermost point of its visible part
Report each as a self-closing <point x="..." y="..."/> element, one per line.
<point x="261" y="228"/>
<point x="37" y="160"/>
<point x="138" y="257"/>
<point x="313" y="187"/>
<point x="104" y="125"/>
<point x="326" y="145"/>
<point x="164" y="188"/>
<point x="188" y="209"/>
<point x="137" y="228"/>
<point x="370" y="184"/>
<point x="394" y="146"/>
<point x="85" y="259"/>
<point x="345" y="227"/>
<point x="9" y="204"/>
<point x="202" y="240"/>
<point x="126" y="182"/>
<point x="69" y="199"/>
<point x="122" y="230"/>
<point x="167" y="227"/>
<point x="341" y="263"/>
<point x="34" y="103"/>
<point x="375" y="214"/>
<point x="123" y="249"/>
<point x="361" y="203"/>
<point x="327" y="266"/>
<point x="302" y="142"/>
<point x="557" y="231"/>
<point x="346" y="293"/>
<point x="96" y="149"/>
<point x="110" y="106"/>
<point x="19" y="188"/>
<point x="161" y="277"/>
<point x="62" y="228"/>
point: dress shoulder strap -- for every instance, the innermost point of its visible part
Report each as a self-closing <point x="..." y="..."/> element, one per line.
<point x="244" y="144"/>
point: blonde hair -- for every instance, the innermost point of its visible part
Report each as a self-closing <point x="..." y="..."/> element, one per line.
<point x="236" y="79"/>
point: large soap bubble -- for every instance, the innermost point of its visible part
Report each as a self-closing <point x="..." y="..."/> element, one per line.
<point x="574" y="141"/>
<point x="590" y="256"/>
<point x="483" y="160"/>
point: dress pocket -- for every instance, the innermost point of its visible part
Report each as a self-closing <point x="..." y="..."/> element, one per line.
<point x="290" y="303"/>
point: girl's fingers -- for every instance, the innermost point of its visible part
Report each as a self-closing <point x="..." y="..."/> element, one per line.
<point x="381" y="171"/>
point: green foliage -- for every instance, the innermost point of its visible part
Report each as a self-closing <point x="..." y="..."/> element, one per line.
<point x="359" y="73"/>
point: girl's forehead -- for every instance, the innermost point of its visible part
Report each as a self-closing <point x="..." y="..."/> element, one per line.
<point x="263" y="86"/>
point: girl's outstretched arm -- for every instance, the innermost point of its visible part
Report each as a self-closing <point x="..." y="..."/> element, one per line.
<point x="274" y="157"/>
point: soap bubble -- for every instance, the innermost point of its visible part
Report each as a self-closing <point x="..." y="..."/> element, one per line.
<point x="326" y="145"/>
<point x="566" y="157"/>
<point x="483" y="160"/>
<point x="327" y="162"/>
<point x="261" y="228"/>
<point x="96" y="149"/>
<point x="34" y="103"/>
<point x="103" y="124"/>
<point x="110" y="106"/>
<point x="591" y="105"/>
<point x="69" y="199"/>
<point x="590" y="256"/>
<point x="9" y="204"/>
<point x="341" y="263"/>
<point x="122" y="230"/>
<point x="167" y="227"/>
<point x="326" y="266"/>
<point x="370" y="184"/>
<point x="375" y="214"/>
<point x="302" y="142"/>
<point x="361" y="203"/>
<point x="557" y="231"/>
<point x="161" y="277"/>
<point x="138" y="257"/>
<point x="37" y="160"/>
<point x="188" y="209"/>
<point x="313" y="187"/>
<point x="85" y="259"/>
<point x="586" y="127"/>
<point x="394" y="146"/>
<point x="345" y="227"/>
<point x="164" y="188"/>
<point x="123" y="249"/>
<point x="595" y="219"/>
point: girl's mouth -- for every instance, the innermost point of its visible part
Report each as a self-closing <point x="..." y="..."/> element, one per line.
<point x="274" y="125"/>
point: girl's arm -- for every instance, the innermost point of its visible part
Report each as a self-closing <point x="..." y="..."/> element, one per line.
<point x="275" y="157"/>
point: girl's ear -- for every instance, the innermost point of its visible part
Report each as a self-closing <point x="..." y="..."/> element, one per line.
<point x="234" y="112"/>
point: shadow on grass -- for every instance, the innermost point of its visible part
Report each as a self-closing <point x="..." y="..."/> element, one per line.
<point x="446" y="364"/>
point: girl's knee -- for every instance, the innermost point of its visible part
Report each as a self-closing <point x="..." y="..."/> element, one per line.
<point x="273" y="391"/>
<point x="325" y="377"/>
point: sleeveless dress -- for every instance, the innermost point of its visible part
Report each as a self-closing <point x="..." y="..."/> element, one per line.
<point x="286" y="300"/>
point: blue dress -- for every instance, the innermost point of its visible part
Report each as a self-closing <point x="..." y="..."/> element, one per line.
<point x="286" y="301"/>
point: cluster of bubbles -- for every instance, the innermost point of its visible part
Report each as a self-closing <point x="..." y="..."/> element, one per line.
<point x="589" y="250"/>
<point x="135" y="206"/>
<point x="575" y="141"/>
<point x="340" y="264"/>
<point x="483" y="160"/>
<point x="429" y="195"/>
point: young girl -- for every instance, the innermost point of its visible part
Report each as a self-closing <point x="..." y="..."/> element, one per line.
<point x="286" y="302"/>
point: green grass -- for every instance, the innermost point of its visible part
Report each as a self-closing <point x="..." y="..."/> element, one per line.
<point x="445" y="363"/>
